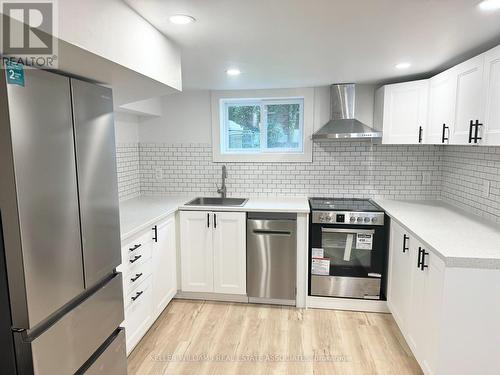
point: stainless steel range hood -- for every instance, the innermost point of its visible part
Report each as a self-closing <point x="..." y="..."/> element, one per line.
<point x="343" y="121"/>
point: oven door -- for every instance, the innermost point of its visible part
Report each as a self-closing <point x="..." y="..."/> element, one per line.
<point x="346" y="261"/>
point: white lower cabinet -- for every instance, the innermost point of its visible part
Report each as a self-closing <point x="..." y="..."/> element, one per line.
<point x="213" y="252"/>
<point x="150" y="278"/>
<point x="164" y="265"/>
<point x="446" y="314"/>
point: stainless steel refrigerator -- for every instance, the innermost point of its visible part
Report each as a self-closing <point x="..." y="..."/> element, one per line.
<point x="60" y="296"/>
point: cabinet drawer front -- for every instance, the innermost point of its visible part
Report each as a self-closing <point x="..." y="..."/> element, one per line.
<point x="138" y="313"/>
<point x="135" y="296"/>
<point x="137" y="252"/>
<point x="136" y="275"/>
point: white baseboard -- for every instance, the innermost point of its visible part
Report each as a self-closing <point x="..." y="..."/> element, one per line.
<point x="347" y="304"/>
<point x="212" y="296"/>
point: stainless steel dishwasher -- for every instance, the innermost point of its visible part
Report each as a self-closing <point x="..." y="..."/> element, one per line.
<point x="271" y="257"/>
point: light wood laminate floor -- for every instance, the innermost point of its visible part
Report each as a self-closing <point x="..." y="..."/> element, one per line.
<point x="200" y="337"/>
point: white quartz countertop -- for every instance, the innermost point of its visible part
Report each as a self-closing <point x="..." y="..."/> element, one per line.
<point x="278" y="204"/>
<point x="139" y="213"/>
<point x="459" y="238"/>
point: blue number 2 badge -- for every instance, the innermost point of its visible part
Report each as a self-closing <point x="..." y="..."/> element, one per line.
<point x="15" y="73"/>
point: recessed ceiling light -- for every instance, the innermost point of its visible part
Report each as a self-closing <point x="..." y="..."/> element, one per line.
<point x="403" y="65"/>
<point x="233" y="72"/>
<point x="181" y="19"/>
<point x="489" y="5"/>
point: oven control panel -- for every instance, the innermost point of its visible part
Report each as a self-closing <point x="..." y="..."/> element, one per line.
<point x="348" y="218"/>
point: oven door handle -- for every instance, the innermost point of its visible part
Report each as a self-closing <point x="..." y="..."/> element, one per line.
<point x="356" y="231"/>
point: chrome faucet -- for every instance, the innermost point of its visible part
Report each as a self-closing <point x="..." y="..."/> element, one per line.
<point x="223" y="190"/>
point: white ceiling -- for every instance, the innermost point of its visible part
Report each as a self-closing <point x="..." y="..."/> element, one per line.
<point x="294" y="43"/>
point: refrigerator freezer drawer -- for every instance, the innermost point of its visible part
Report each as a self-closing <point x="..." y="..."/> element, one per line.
<point x="113" y="360"/>
<point x="70" y="342"/>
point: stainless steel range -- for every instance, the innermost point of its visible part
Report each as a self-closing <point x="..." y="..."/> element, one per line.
<point x="348" y="247"/>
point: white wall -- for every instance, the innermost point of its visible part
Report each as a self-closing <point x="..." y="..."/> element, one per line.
<point x="187" y="117"/>
<point x="126" y="128"/>
<point x="111" y="29"/>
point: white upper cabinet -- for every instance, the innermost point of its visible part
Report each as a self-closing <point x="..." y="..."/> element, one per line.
<point x="491" y="88"/>
<point x="441" y="116"/>
<point x="469" y="97"/>
<point x="404" y="112"/>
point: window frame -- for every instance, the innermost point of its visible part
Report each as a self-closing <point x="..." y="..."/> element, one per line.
<point x="222" y="100"/>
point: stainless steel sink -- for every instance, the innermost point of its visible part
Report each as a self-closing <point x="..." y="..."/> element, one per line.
<point x="215" y="201"/>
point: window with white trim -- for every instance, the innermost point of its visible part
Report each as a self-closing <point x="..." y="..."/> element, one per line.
<point x="261" y="126"/>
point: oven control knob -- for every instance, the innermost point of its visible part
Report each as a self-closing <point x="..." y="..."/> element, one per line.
<point x="374" y="219"/>
<point x="367" y="219"/>
<point x="360" y="219"/>
<point x="322" y="217"/>
<point x="352" y="219"/>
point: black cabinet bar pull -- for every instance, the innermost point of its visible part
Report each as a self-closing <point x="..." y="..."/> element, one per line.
<point x="420" y="131"/>
<point x="471" y="126"/>
<point x="135" y="247"/>
<point x="405" y="238"/>
<point x="137" y="275"/>
<point x="208" y="220"/>
<point x="155" y="230"/>
<point x="476" y="132"/>
<point x="137" y="295"/>
<point x="136" y="258"/>
<point x="419" y="256"/>
<point x="422" y="264"/>
<point x="215" y="221"/>
<point x="444" y="138"/>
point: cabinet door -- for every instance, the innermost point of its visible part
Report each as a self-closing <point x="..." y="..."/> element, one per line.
<point x="491" y="88"/>
<point x="196" y="251"/>
<point x="431" y="312"/>
<point x="405" y="112"/>
<point x="469" y="76"/>
<point x="442" y="92"/>
<point x="230" y="252"/>
<point x="399" y="287"/>
<point x="425" y="314"/>
<point x="165" y="265"/>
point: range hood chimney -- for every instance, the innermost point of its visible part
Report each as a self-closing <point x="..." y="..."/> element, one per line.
<point x="343" y="122"/>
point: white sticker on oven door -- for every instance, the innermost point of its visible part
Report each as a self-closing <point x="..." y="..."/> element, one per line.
<point x="318" y="252"/>
<point x="364" y="241"/>
<point x="320" y="267"/>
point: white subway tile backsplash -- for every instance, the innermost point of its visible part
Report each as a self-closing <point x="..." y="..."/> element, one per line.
<point x="127" y="163"/>
<point x="354" y="169"/>
<point x="341" y="169"/>
<point x="464" y="171"/>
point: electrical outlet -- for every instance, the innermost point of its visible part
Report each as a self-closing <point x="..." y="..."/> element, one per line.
<point x="426" y="178"/>
<point x="158" y="173"/>
<point x="486" y="188"/>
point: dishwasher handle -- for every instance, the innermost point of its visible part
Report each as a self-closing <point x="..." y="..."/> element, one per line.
<point x="272" y="232"/>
